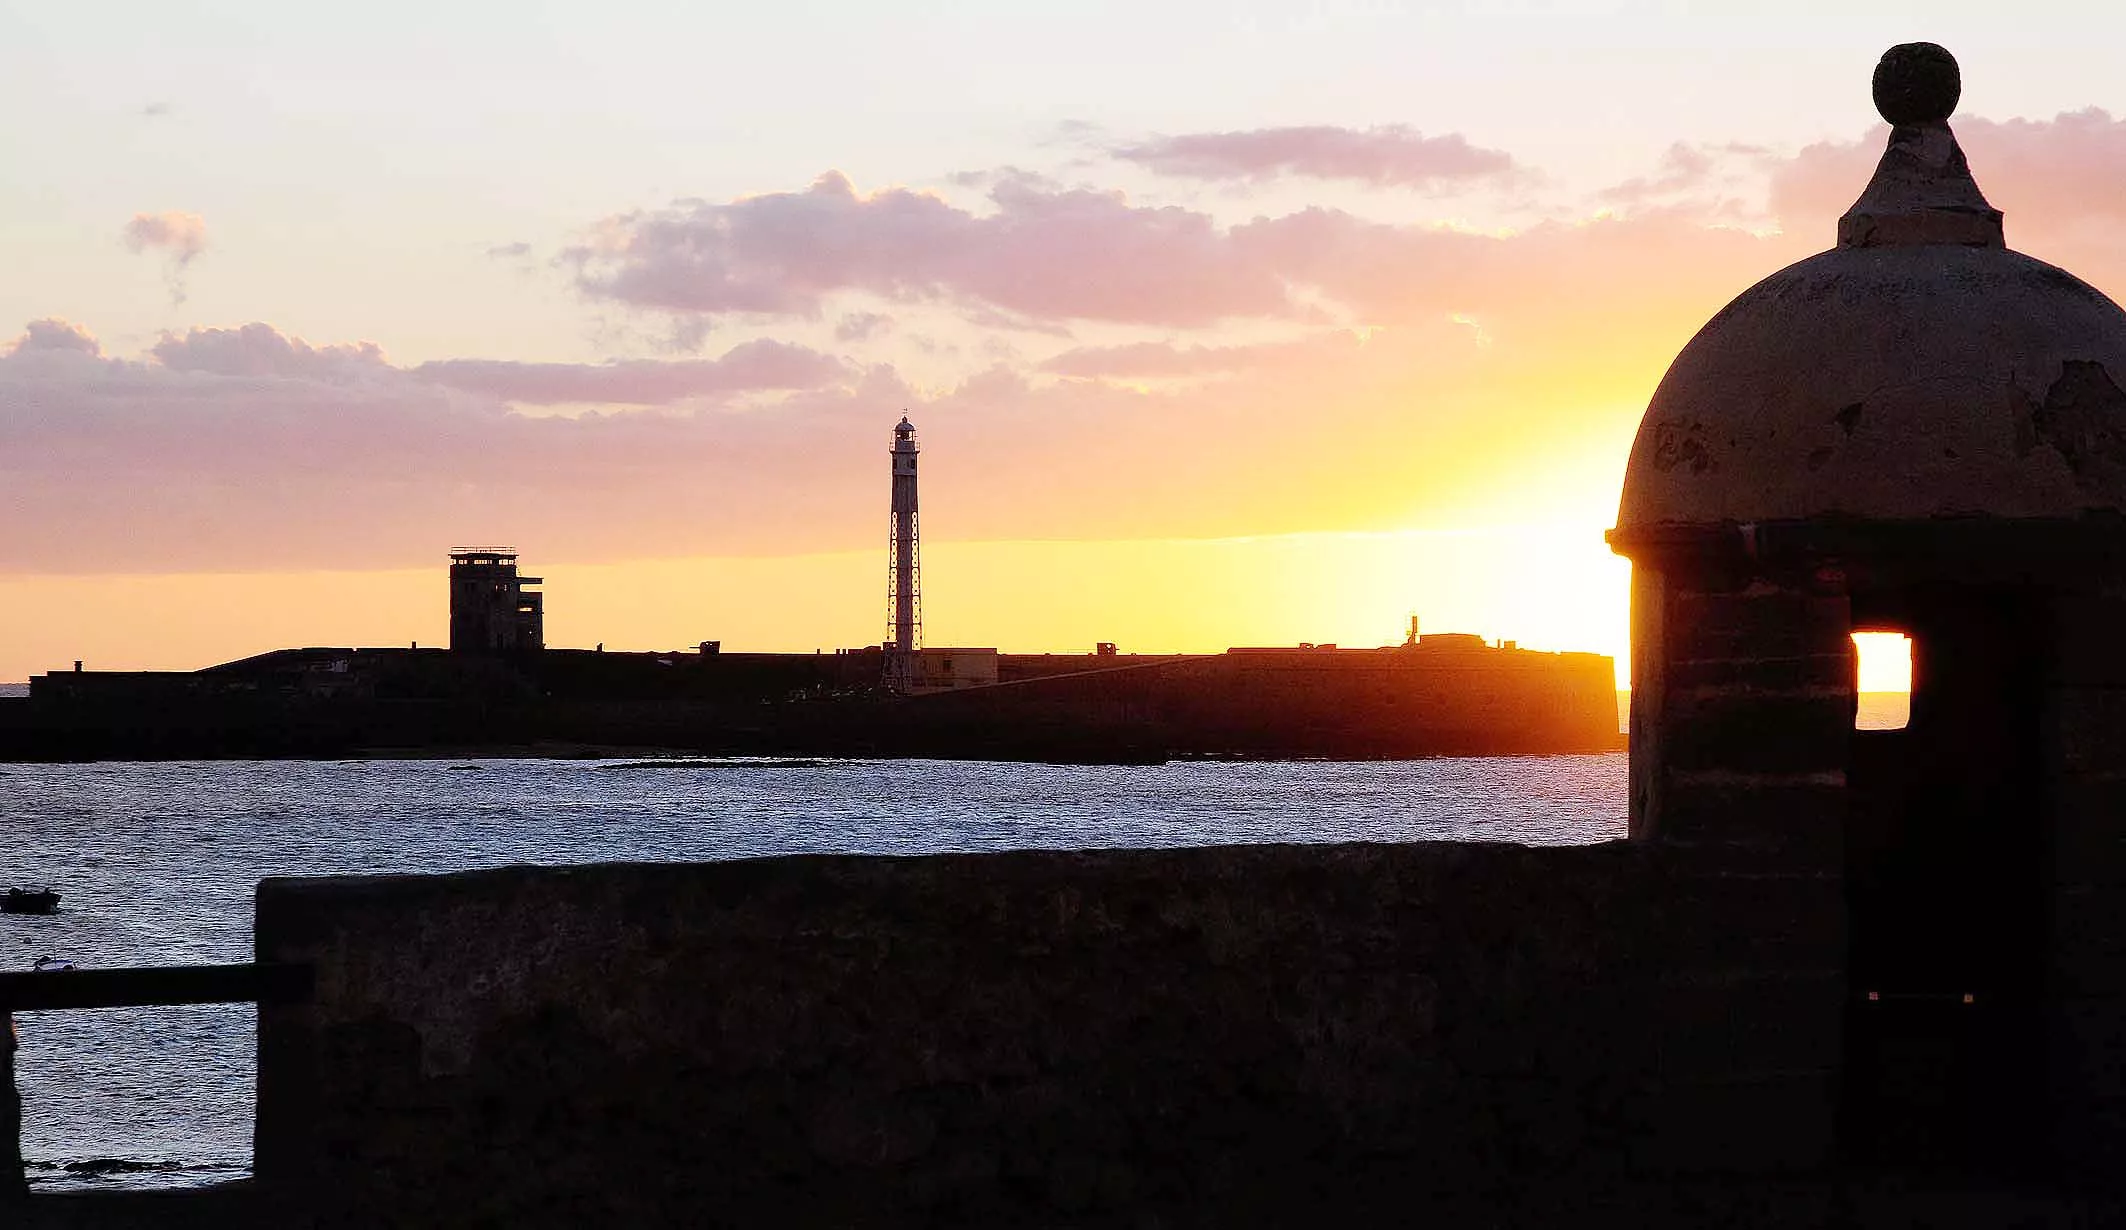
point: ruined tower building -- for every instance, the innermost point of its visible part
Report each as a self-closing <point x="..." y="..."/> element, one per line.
<point x="1920" y="431"/>
<point x="492" y="608"/>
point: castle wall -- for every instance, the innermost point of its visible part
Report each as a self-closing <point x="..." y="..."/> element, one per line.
<point x="1742" y="722"/>
<point x="1742" y="716"/>
<point x="2085" y="977"/>
<point x="1265" y="1035"/>
<point x="1293" y="702"/>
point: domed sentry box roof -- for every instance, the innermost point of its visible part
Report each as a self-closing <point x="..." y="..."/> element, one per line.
<point x="1918" y="371"/>
<point x="1923" y="432"/>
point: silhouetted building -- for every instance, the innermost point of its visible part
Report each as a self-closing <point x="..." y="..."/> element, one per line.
<point x="491" y="608"/>
<point x="1918" y="431"/>
<point x="946" y="670"/>
<point x="904" y="595"/>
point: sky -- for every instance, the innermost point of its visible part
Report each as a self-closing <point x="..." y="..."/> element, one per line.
<point x="1221" y="324"/>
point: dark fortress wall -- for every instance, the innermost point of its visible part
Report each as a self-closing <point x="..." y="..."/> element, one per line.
<point x="1258" y="1035"/>
<point x="1460" y="698"/>
<point x="1344" y="703"/>
<point x="2084" y="870"/>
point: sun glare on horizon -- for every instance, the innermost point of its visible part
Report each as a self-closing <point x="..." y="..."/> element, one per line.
<point x="1885" y="661"/>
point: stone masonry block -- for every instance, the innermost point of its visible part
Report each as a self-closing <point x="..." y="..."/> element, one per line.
<point x="2089" y="832"/>
<point x="1774" y="1123"/>
<point x="1764" y="732"/>
<point x="1767" y="623"/>
<point x="2087" y="1048"/>
<point x="2086" y="646"/>
<point x="1735" y="1028"/>
<point x="2081" y="972"/>
<point x="1778" y="674"/>
<point x="1727" y="925"/>
<point x="2088" y="728"/>
<point x="2089" y="918"/>
<point x="1786" y="821"/>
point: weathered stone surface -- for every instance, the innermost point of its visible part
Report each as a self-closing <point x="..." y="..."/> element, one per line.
<point x="2088" y="918"/>
<point x="1188" y="1035"/>
<point x="1758" y="732"/>
<point x="1781" y="822"/>
<point x="1748" y="1025"/>
<point x="2090" y="730"/>
<point x="2083" y="630"/>
<point x="1920" y="431"/>
<point x="2088" y="843"/>
<point x="2088" y="1044"/>
<point x="1760" y="624"/>
<point x="1917" y="83"/>
<point x="1753" y="423"/>
<point x="1732" y="927"/>
<point x="1738" y="1125"/>
<point x="1798" y="673"/>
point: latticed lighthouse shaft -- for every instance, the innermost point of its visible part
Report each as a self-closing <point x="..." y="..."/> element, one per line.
<point x="904" y="631"/>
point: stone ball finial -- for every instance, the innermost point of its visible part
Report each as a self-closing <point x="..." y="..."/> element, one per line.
<point x="1917" y="83"/>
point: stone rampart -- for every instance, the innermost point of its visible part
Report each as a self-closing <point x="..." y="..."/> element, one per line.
<point x="1241" y="1035"/>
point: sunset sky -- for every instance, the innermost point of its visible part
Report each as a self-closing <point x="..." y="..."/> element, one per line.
<point x="1240" y="323"/>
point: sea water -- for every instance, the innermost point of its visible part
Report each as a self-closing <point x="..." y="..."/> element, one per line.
<point x="157" y="863"/>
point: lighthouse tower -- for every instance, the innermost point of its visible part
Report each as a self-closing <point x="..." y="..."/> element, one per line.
<point x="904" y="594"/>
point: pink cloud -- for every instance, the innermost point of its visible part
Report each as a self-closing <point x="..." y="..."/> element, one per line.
<point x="1154" y="360"/>
<point x="224" y="461"/>
<point x="861" y="326"/>
<point x="261" y="350"/>
<point x="1046" y="259"/>
<point x="245" y="448"/>
<point x="136" y="465"/>
<point x="1045" y="253"/>
<point x="1392" y="155"/>
<point x="179" y="237"/>
<point x="1651" y="277"/>
<point x="54" y="335"/>
<point x="1693" y="169"/>
<point x="755" y="365"/>
<point x="2062" y="183"/>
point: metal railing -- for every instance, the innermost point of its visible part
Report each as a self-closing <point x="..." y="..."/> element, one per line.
<point x="143" y="987"/>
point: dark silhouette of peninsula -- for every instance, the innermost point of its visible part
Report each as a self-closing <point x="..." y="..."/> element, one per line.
<point x="1439" y="696"/>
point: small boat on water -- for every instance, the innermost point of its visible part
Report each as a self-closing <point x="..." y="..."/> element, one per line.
<point x="30" y="901"/>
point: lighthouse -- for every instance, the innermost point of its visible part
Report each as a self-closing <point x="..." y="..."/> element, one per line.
<point x="904" y="595"/>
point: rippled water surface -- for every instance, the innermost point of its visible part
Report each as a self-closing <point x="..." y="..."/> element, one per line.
<point x="157" y="863"/>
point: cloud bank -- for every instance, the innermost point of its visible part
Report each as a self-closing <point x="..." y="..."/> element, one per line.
<point x="755" y="365"/>
<point x="1111" y="369"/>
<point x="1393" y="155"/>
<point x="1049" y="254"/>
